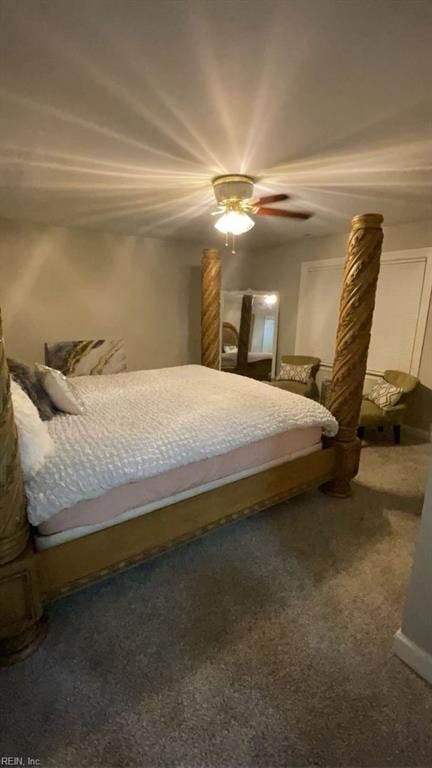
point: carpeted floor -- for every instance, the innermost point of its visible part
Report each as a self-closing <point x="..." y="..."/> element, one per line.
<point x="265" y="644"/>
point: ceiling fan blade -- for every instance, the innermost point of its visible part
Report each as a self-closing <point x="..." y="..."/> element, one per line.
<point x="280" y="212"/>
<point x="271" y="199"/>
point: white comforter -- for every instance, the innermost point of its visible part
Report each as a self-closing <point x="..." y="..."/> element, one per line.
<point x="143" y="423"/>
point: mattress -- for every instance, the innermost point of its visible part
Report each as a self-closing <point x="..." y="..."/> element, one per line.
<point x="134" y="499"/>
<point x="139" y="425"/>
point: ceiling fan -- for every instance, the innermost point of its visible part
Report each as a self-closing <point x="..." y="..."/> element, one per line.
<point x="234" y="195"/>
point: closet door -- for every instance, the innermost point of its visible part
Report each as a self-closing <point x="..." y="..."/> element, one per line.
<point x="401" y="307"/>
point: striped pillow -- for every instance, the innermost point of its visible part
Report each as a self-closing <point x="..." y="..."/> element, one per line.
<point x="300" y="373"/>
<point x="385" y="395"/>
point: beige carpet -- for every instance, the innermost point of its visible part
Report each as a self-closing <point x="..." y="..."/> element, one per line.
<point x="265" y="644"/>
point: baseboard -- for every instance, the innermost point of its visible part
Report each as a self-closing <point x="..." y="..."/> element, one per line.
<point x="413" y="655"/>
<point x="419" y="434"/>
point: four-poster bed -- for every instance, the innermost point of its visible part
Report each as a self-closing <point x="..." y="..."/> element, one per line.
<point x="29" y="578"/>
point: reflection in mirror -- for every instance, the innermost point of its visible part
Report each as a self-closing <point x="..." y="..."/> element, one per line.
<point x="249" y="333"/>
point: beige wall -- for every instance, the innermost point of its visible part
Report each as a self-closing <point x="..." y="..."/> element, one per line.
<point x="58" y="283"/>
<point x="279" y="269"/>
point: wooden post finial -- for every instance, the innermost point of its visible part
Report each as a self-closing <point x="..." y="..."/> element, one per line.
<point x="210" y="308"/>
<point x="352" y="343"/>
<point x="369" y="220"/>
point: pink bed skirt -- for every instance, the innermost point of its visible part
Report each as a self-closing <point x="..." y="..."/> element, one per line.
<point x="126" y="497"/>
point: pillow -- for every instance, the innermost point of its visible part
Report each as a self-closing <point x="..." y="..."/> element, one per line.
<point x="29" y="381"/>
<point x="384" y="394"/>
<point x="230" y="348"/>
<point x="300" y="373"/>
<point x="34" y="441"/>
<point x="62" y="392"/>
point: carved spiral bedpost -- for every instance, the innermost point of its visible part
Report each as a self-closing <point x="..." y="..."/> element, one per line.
<point x="14" y="528"/>
<point x="21" y="630"/>
<point x="244" y="334"/>
<point x="352" y="343"/>
<point x="210" y="308"/>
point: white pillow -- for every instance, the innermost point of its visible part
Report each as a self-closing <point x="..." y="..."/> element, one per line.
<point x="385" y="395"/>
<point x="34" y="441"/>
<point x="62" y="393"/>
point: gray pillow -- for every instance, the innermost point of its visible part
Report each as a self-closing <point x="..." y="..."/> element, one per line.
<point x="26" y="376"/>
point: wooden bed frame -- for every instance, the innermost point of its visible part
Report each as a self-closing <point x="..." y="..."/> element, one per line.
<point x="30" y="579"/>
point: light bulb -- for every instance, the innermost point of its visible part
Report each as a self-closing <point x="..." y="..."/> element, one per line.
<point x="234" y="223"/>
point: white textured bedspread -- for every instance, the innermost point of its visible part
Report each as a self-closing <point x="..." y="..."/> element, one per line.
<point x="143" y="423"/>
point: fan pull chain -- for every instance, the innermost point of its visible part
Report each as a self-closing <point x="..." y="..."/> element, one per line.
<point x="232" y="242"/>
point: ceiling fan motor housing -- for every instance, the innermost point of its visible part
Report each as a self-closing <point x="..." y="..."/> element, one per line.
<point x="233" y="187"/>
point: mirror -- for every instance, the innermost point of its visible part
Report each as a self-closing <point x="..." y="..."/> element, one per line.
<point x="249" y="333"/>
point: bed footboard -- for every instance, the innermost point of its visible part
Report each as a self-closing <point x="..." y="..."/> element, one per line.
<point x="77" y="563"/>
<point x="22" y="626"/>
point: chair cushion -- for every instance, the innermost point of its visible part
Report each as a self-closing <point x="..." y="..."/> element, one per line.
<point x="372" y="416"/>
<point x="385" y="395"/>
<point x="291" y="386"/>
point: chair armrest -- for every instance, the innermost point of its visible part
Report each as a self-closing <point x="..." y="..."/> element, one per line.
<point x="312" y="390"/>
<point x="393" y="408"/>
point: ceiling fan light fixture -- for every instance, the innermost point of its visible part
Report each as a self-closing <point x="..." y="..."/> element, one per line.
<point x="234" y="223"/>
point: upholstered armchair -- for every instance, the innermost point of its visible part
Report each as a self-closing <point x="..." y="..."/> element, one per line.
<point x="309" y="389"/>
<point x="372" y="415"/>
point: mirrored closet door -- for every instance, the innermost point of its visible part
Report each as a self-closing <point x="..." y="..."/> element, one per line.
<point x="249" y="333"/>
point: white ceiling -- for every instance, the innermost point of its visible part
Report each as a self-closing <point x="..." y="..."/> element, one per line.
<point x="115" y="114"/>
